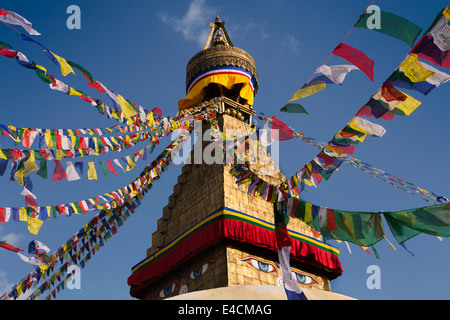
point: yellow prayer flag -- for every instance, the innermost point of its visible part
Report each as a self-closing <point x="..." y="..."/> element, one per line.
<point x="30" y="164"/>
<point x="2" y="155"/>
<point x="48" y="139"/>
<point x="92" y="174"/>
<point x="18" y="175"/>
<point x="308" y="212"/>
<point x="127" y="109"/>
<point x="414" y="70"/>
<point x="65" y="67"/>
<point x="23" y="216"/>
<point x="150" y="120"/>
<point x="309" y="90"/>
<point x="446" y="12"/>
<point x="74" y="92"/>
<point x="60" y="154"/>
<point x="42" y="68"/>
<point x="409" y="105"/>
<point x="34" y="225"/>
<point x="131" y="163"/>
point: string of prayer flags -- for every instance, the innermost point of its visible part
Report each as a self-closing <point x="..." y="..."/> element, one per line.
<point x="390" y="24"/>
<point x="11" y="17"/>
<point x="90" y="238"/>
<point x="356" y="57"/>
<point x="326" y="162"/>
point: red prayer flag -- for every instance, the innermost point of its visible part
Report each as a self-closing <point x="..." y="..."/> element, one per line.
<point x="356" y="57"/>
<point x="3" y="12"/>
<point x="284" y="132"/>
<point x="2" y="215"/>
<point x="331" y="221"/>
<point x="428" y="50"/>
<point x="390" y="93"/>
<point x="94" y="85"/>
<point x="282" y="236"/>
<point x="8" y="53"/>
<point x="157" y="111"/>
<point x="9" y="247"/>
<point x="59" y="173"/>
<point x="31" y="202"/>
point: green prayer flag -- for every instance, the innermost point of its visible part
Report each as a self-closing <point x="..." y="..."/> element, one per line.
<point x="390" y="24"/>
<point x="105" y="171"/>
<point x="42" y="169"/>
<point x="293" y="108"/>
<point x="43" y="76"/>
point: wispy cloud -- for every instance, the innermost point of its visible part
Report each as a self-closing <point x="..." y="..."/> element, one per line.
<point x="11" y="238"/>
<point x="193" y="26"/>
<point x="292" y="43"/>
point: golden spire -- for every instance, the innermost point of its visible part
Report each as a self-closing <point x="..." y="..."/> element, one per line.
<point x="218" y="34"/>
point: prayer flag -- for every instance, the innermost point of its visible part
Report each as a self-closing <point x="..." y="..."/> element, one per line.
<point x="331" y="221"/>
<point x="310" y="88"/>
<point x="391" y="25"/>
<point x="92" y="174"/>
<point x="128" y="110"/>
<point x="293" y="108"/>
<point x="65" y="67"/>
<point x="8" y="53"/>
<point x="59" y="173"/>
<point x="367" y="127"/>
<point x="7" y="246"/>
<point x="34" y="225"/>
<point x="440" y="31"/>
<point x="414" y="70"/>
<point x="16" y="19"/>
<point x="31" y="260"/>
<point x="110" y="167"/>
<point x="37" y="247"/>
<point x="336" y="73"/>
<point x="291" y="287"/>
<point x="428" y="50"/>
<point x="280" y="130"/>
<point x="71" y="172"/>
<point x="356" y="57"/>
<point x="400" y="79"/>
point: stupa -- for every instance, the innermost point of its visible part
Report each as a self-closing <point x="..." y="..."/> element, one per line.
<point x="213" y="236"/>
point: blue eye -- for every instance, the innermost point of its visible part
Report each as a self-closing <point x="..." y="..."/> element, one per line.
<point x="167" y="290"/>
<point x="304" y="279"/>
<point x="199" y="271"/>
<point x="260" y="265"/>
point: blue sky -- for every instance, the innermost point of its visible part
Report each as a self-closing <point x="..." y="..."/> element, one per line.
<point x="140" y="49"/>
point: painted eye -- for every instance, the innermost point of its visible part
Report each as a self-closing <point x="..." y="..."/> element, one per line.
<point x="167" y="291"/>
<point x="304" y="279"/>
<point x="199" y="271"/>
<point x="260" y="265"/>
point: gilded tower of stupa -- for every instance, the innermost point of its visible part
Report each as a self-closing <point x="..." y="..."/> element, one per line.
<point x="212" y="233"/>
